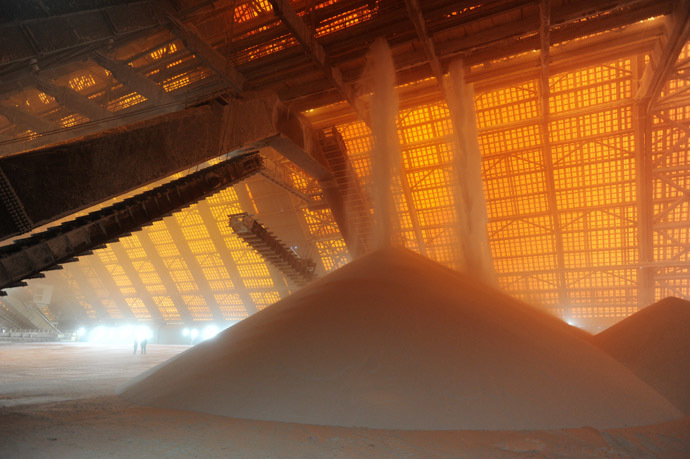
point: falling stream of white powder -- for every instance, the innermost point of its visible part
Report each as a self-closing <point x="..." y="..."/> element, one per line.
<point x="386" y="155"/>
<point x="468" y="192"/>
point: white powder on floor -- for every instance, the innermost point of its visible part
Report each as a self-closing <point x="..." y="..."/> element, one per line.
<point x="396" y="341"/>
<point x="655" y="344"/>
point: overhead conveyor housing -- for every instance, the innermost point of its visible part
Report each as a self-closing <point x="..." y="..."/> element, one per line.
<point x="43" y="251"/>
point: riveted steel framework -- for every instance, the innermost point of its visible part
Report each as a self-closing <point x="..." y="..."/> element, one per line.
<point x="582" y="115"/>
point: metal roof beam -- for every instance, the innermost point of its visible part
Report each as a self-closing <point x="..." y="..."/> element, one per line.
<point x="125" y="261"/>
<point x="544" y="95"/>
<point x="81" y="278"/>
<point x="46" y="40"/>
<point x="207" y="54"/>
<point x="72" y="99"/>
<point x="129" y="77"/>
<point x="414" y="10"/>
<point x="287" y="14"/>
<point x="25" y="120"/>
<point x="661" y="63"/>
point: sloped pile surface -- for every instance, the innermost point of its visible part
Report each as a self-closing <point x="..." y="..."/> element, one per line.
<point x="396" y="341"/>
<point x="655" y="344"/>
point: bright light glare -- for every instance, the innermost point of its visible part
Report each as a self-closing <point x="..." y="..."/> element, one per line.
<point x="185" y="332"/>
<point x="194" y="333"/>
<point x="209" y="332"/>
<point x="97" y="334"/>
<point x="143" y="332"/>
<point x="81" y="331"/>
<point x="125" y="334"/>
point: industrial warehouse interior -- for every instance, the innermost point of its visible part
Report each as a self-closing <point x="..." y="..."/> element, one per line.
<point x="342" y="228"/>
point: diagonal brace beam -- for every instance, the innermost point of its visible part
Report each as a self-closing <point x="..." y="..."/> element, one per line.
<point x="207" y="54"/>
<point x="129" y="77"/>
<point x="72" y="99"/>
<point x="25" y="120"/>
<point x="660" y="66"/>
<point x="287" y="14"/>
<point x="414" y="11"/>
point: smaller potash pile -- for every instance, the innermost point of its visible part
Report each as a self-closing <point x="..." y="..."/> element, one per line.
<point x="655" y="344"/>
<point x="397" y="341"/>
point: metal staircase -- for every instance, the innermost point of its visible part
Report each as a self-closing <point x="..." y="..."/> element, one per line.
<point x="298" y="270"/>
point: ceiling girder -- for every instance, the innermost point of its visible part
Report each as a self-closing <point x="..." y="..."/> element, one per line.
<point x="287" y="14"/>
<point x="88" y="291"/>
<point x="72" y="99"/>
<point x="129" y="77"/>
<point x="105" y="275"/>
<point x="44" y="42"/>
<point x="208" y="55"/>
<point x="142" y="293"/>
<point x="662" y="61"/>
<point x="25" y="120"/>
<point x="414" y="10"/>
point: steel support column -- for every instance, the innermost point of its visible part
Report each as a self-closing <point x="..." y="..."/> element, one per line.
<point x="645" y="212"/>
<point x="77" y="271"/>
<point x="142" y="292"/>
<point x="544" y="95"/>
<point x="646" y="109"/>
<point x="164" y="274"/>
<point x="111" y="286"/>
<point x="222" y="249"/>
<point x="194" y="267"/>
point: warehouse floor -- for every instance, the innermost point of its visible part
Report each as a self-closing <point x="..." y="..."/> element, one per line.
<point x="57" y="400"/>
